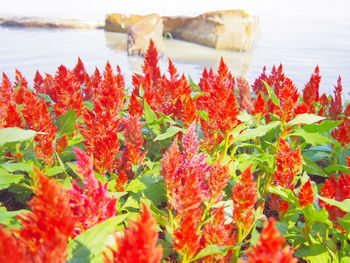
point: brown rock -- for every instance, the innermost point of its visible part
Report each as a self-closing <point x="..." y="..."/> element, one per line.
<point x="120" y="23"/>
<point x="225" y="30"/>
<point x="139" y="35"/>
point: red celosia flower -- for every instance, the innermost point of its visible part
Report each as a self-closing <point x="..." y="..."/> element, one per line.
<point x="244" y="196"/>
<point x="324" y="104"/>
<point x="337" y="190"/>
<point x="45" y="230"/>
<point x="244" y="99"/>
<point x="342" y="133"/>
<point x="139" y="242"/>
<point x="187" y="237"/>
<point x="92" y="84"/>
<point x="12" y="116"/>
<point x="217" y="232"/>
<point x="259" y="106"/>
<point x="135" y="107"/>
<point x="91" y="204"/>
<point x="269" y="247"/>
<point x="66" y="92"/>
<point x="121" y="181"/>
<point x="11" y="248"/>
<point x="217" y="181"/>
<point x="336" y="106"/>
<point x="311" y="90"/>
<point x="347" y="110"/>
<point x="301" y="108"/>
<point x="220" y="102"/>
<point x="61" y="144"/>
<point x="37" y="117"/>
<point x="133" y="153"/>
<point x="288" y="165"/>
<point x="258" y="86"/>
<point x="306" y="194"/>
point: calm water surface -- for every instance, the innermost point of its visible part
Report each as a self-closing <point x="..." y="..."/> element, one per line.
<point x="299" y="40"/>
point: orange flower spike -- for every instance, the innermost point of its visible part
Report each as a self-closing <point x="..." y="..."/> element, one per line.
<point x="311" y="90"/>
<point x="61" y="144"/>
<point x="258" y="86"/>
<point x="12" y="248"/>
<point x="121" y="181"/>
<point x="139" y="242"/>
<point x="12" y="116"/>
<point x="269" y="248"/>
<point x="336" y="106"/>
<point x="244" y="95"/>
<point x="217" y="181"/>
<point x="45" y="230"/>
<point x="337" y="190"/>
<point x="135" y="107"/>
<point x="244" y="196"/>
<point x="92" y="204"/>
<point x="306" y="194"/>
<point x="259" y="106"/>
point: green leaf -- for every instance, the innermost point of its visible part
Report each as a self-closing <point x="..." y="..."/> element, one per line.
<point x="312" y="215"/>
<point x="305" y="118"/>
<point x="325" y="126"/>
<point x="150" y="115"/>
<point x="345" y="222"/>
<point x="312" y="168"/>
<point x="194" y="86"/>
<point x="284" y="193"/>
<point x="272" y="94"/>
<point x="316" y="253"/>
<point x="7" y="178"/>
<point x="170" y="132"/>
<point x="66" y="123"/>
<point x="343" y="205"/>
<point x="13" y="167"/>
<point x="249" y="134"/>
<point x="7" y="216"/>
<point x="16" y="135"/>
<point x="203" y="114"/>
<point x="51" y="171"/>
<point x="87" y="246"/>
<point x="211" y="250"/>
<point x="337" y="167"/>
<point x="313" y="138"/>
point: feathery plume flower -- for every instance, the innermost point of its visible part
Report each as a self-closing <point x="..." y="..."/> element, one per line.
<point x="269" y="248"/>
<point x="220" y="102"/>
<point x="306" y="194"/>
<point x="133" y="153"/>
<point x="12" y="248"/>
<point x="337" y="190"/>
<point x="244" y="196"/>
<point x="139" y="242"/>
<point x="311" y="90"/>
<point x="244" y="99"/>
<point x="336" y="106"/>
<point x="217" y="181"/>
<point x="91" y="204"/>
<point x="45" y="230"/>
<point x="259" y="106"/>
<point x="135" y="107"/>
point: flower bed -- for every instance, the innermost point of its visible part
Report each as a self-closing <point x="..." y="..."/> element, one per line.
<point x="172" y="170"/>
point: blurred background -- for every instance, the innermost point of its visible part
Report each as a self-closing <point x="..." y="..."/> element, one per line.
<point x="299" y="34"/>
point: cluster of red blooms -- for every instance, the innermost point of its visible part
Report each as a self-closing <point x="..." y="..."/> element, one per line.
<point x="139" y="242"/>
<point x="90" y="204"/>
<point x="306" y="194"/>
<point x="286" y="92"/>
<point x="220" y="102"/>
<point x="45" y="231"/>
<point x="337" y="190"/>
<point x="288" y="165"/>
<point x="167" y="95"/>
<point x="22" y="108"/>
<point x="189" y="181"/>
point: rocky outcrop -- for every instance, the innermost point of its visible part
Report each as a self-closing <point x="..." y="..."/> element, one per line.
<point x="224" y="30"/>
<point x="12" y="21"/>
<point x="139" y="34"/>
<point x="120" y="23"/>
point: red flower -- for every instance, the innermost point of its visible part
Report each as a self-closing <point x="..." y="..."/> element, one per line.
<point x="91" y="204"/>
<point x="306" y="194"/>
<point x="337" y="190"/>
<point x="220" y="102"/>
<point x="336" y="106"/>
<point x="61" y="144"/>
<point x="139" y="242"/>
<point x="288" y="165"/>
<point x="259" y="106"/>
<point x="135" y="107"/>
<point x="45" y="230"/>
<point x="121" y="181"/>
<point x="342" y="133"/>
<point x="133" y="153"/>
<point x="311" y="90"/>
<point x="244" y="95"/>
<point x="217" y="181"/>
<point x="269" y="247"/>
<point x="12" y="248"/>
<point x="218" y="232"/>
<point x="244" y="196"/>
